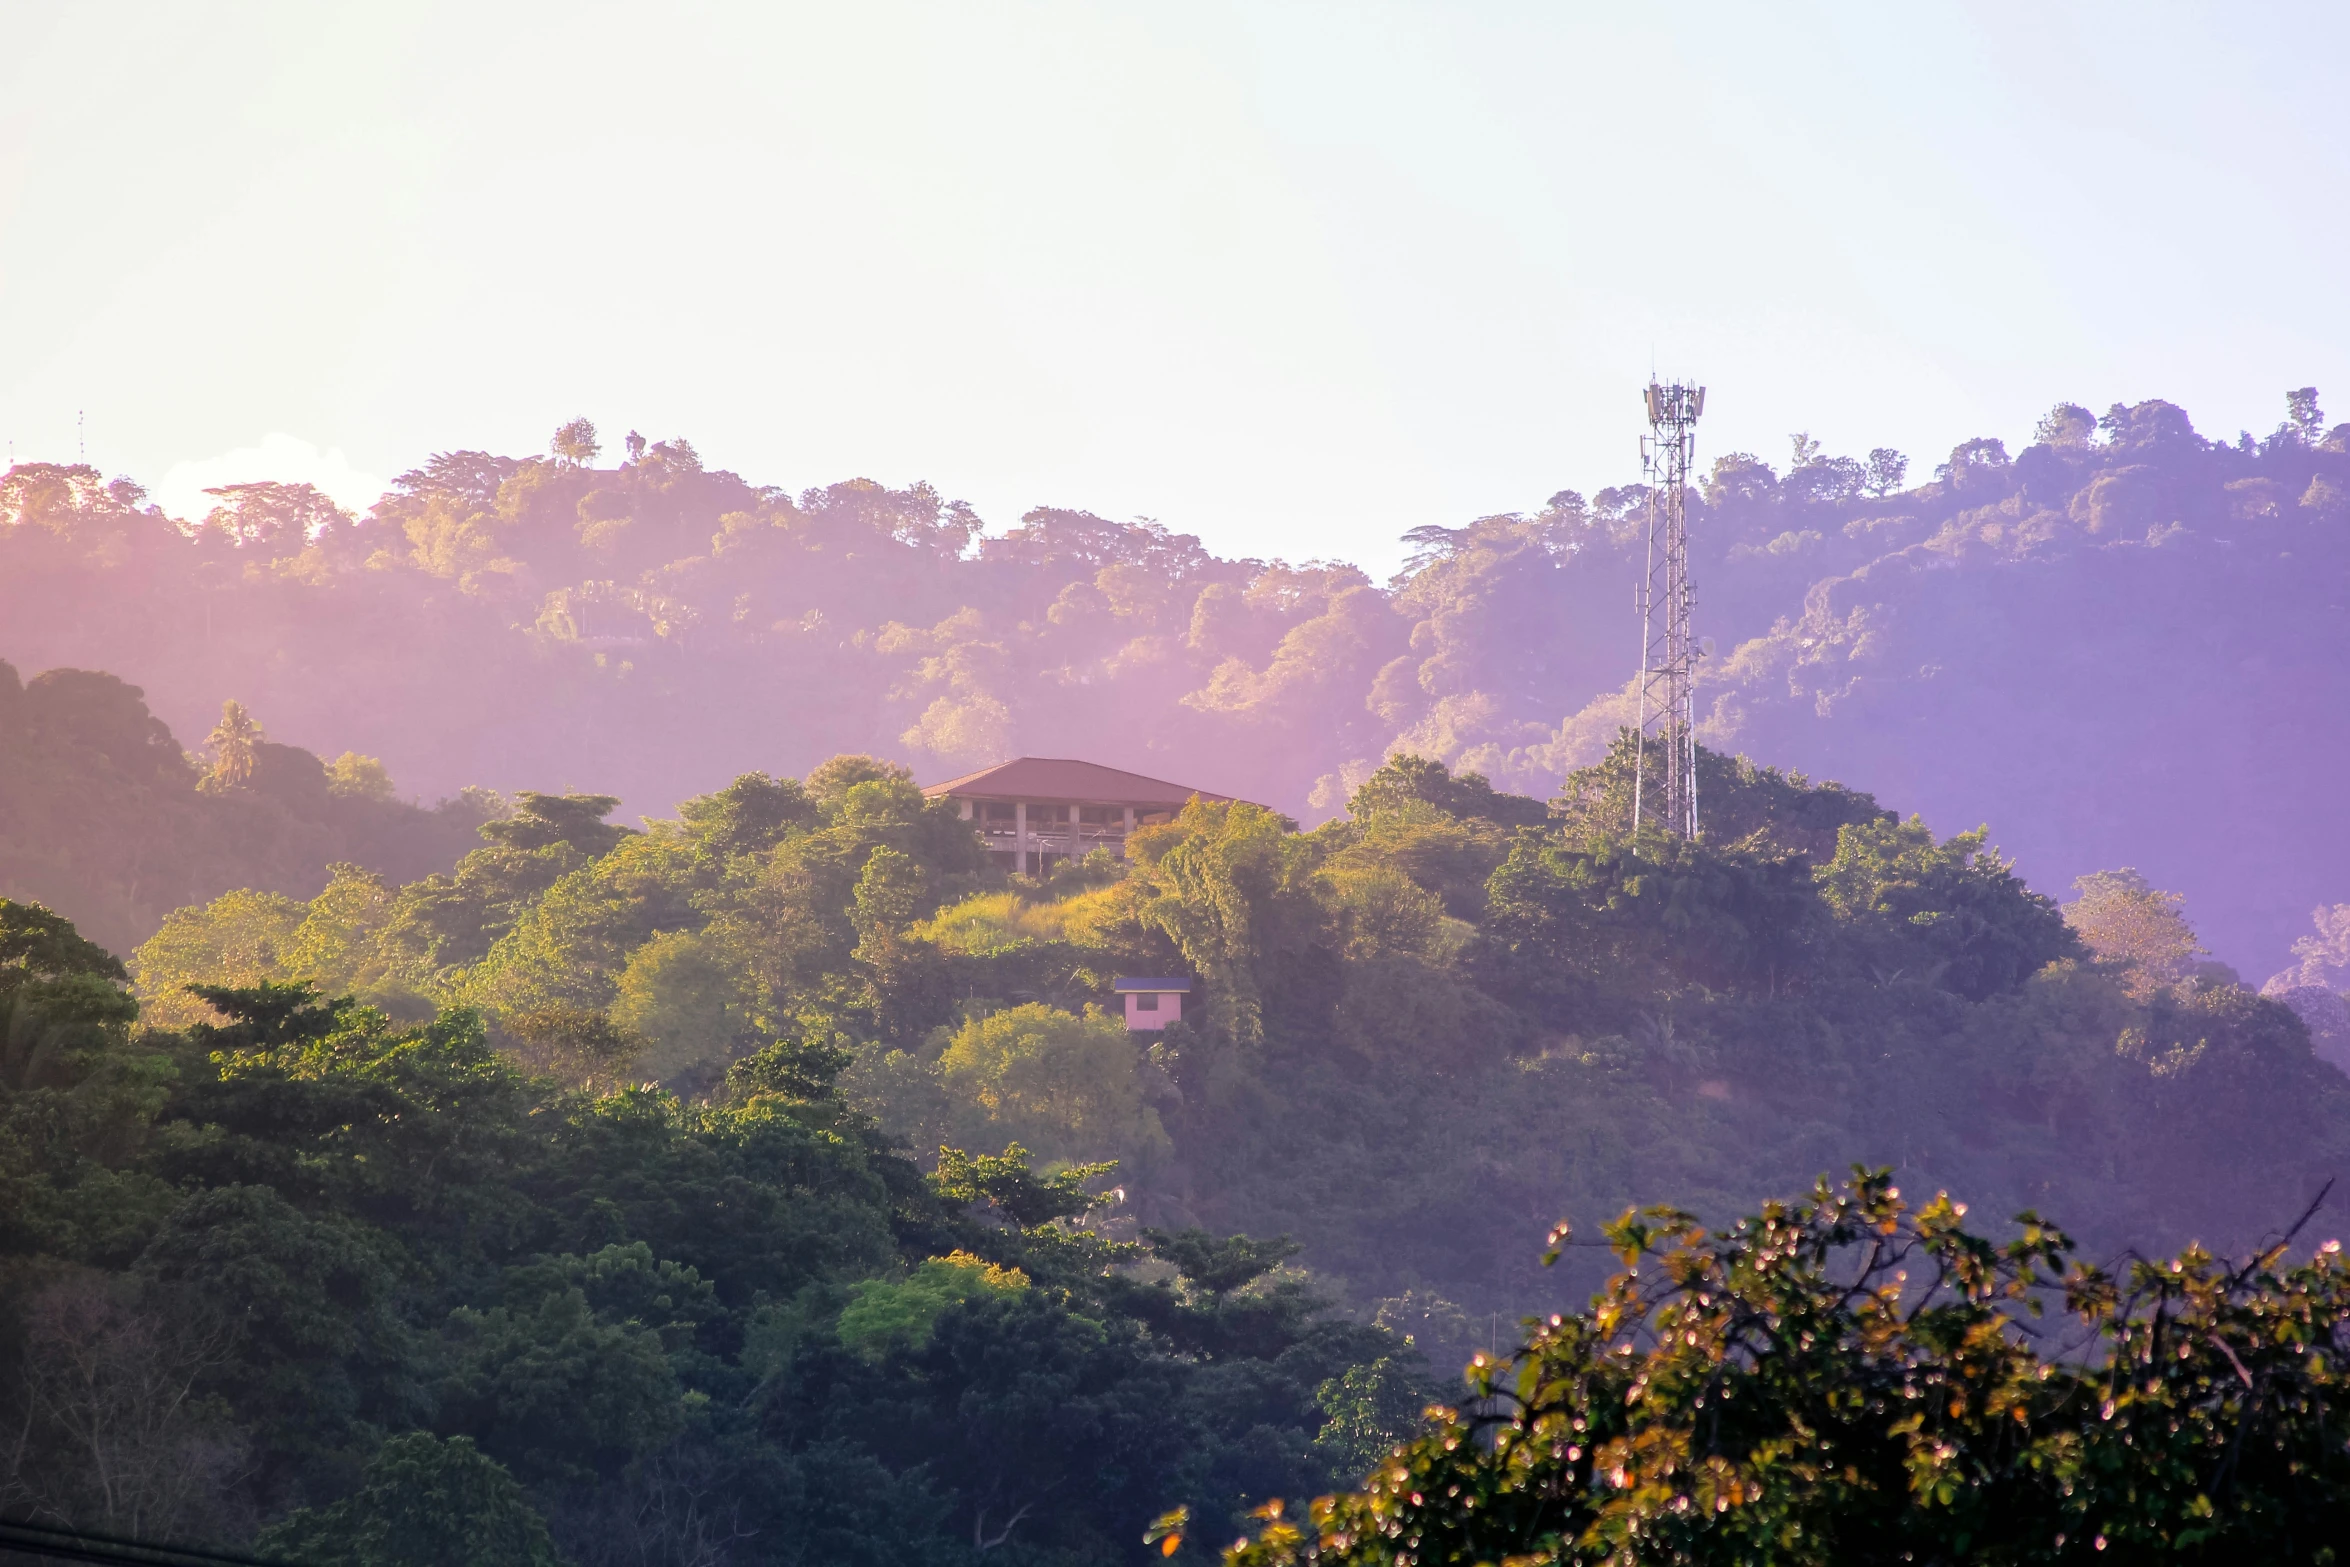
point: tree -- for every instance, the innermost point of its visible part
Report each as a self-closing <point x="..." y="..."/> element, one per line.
<point x="115" y="1427"/>
<point x="541" y="821"/>
<point x="1887" y="469"/>
<point x="1235" y="893"/>
<point x="1070" y="1086"/>
<point x="1404" y="778"/>
<point x="2303" y="418"/>
<point x="469" y="477"/>
<point x="1371" y="1409"/>
<point x="37" y="944"/>
<point x="1850" y="1379"/>
<point x="1804" y="449"/>
<point x="749" y="815"/>
<point x="235" y="742"/>
<point x="1005" y="1182"/>
<point x="1827" y="480"/>
<point x="1740" y="477"/>
<point x="573" y="1045"/>
<point x="1973" y="461"/>
<point x="831" y="780"/>
<point x="2325" y="956"/>
<point x="239" y="938"/>
<point x="887" y="900"/>
<point x="422" y="1502"/>
<point x="574" y="444"/>
<point x="270" y="515"/>
<point x="1660" y="911"/>
<point x="889" y="1315"/>
<point x="1219" y="1265"/>
<point x="685" y="1000"/>
<point x="1952" y="913"/>
<point x="351" y="776"/>
<point x="2067" y="424"/>
<point x="2124" y="918"/>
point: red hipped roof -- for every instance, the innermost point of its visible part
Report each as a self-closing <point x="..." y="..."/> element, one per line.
<point x="1064" y="781"/>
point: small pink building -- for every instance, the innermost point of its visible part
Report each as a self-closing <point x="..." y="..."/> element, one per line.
<point x="1152" y="1003"/>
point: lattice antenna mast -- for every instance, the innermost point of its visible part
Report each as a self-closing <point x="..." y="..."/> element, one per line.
<point x="1664" y="788"/>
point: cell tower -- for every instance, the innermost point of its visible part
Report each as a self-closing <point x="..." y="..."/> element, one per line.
<point x="1664" y="787"/>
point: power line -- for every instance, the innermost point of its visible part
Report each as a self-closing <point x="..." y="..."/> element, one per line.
<point x="107" y="1550"/>
<point x="1664" y="786"/>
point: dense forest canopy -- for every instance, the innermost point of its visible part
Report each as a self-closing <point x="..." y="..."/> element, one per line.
<point x="1036" y="926"/>
<point x="2102" y="642"/>
<point x="627" y="1195"/>
<point x="766" y="1181"/>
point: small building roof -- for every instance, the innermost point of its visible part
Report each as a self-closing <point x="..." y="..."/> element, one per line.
<point x="1064" y="781"/>
<point x="1125" y="983"/>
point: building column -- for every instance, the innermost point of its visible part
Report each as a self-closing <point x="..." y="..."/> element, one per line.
<point x="1123" y="851"/>
<point x="1020" y="837"/>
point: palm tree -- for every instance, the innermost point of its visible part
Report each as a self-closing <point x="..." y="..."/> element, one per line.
<point x="234" y="741"/>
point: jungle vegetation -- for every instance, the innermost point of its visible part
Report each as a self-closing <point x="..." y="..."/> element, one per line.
<point x="2093" y="639"/>
<point x="766" y="1183"/>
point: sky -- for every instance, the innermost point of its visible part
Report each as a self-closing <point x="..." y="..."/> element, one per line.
<point x="1292" y="277"/>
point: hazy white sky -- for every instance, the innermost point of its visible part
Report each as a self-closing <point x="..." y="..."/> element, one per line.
<point x="1294" y="277"/>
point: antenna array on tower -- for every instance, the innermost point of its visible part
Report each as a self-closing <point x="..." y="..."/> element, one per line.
<point x="1664" y="789"/>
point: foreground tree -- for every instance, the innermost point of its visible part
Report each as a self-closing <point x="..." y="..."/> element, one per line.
<point x="1850" y="1380"/>
<point x="422" y="1502"/>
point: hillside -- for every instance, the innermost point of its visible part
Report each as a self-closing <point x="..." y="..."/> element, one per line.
<point x="2109" y="643"/>
<point x="650" y="1208"/>
<point x="1432" y="1024"/>
<point x="104" y="817"/>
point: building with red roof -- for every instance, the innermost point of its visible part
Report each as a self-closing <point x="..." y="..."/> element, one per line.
<point x="1034" y="811"/>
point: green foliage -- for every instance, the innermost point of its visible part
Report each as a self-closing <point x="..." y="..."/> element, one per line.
<point x="541" y="821"/>
<point x="681" y="995"/>
<point x="572" y="1045"/>
<point x="1071" y="1086"/>
<point x="423" y="1503"/>
<point x="36" y="944"/>
<point x="2125" y="919"/>
<point x="1404" y="779"/>
<point x="74" y="1086"/>
<point x="1656" y="910"/>
<point x="1371" y="1409"/>
<point x="1005" y="1182"/>
<point x="103" y="819"/>
<point x="1953" y="912"/>
<point x="1219" y="1266"/>
<point x="831" y="780"/>
<point x="1235" y="893"/>
<point x="553" y="1386"/>
<point x="1850" y="1379"/>
<point x="895" y="1315"/>
<point x="351" y="776"/>
<point x="579" y="622"/>
<point x="464" y="1313"/>
<point x="749" y="815"/>
<point x="800" y="1069"/>
<point x="409" y="1174"/>
<point x="1741" y="802"/>
<point x="239" y="938"/>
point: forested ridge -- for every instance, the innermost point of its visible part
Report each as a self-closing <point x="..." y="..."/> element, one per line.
<point x="2100" y="642"/>
<point x="636" y="1195"/>
<point x="764" y="1180"/>
<point x="104" y="815"/>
